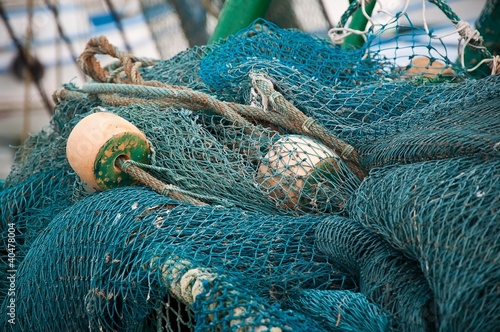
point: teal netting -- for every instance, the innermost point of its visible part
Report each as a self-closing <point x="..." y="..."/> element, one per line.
<point x="331" y="190"/>
<point x="445" y="215"/>
<point x="385" y="276"/>
<point x="210" y="258"/>
<point x="343" y="310"/>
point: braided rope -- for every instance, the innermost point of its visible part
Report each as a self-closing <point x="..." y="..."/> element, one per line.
<point x="169" y="190"/>
<point x="133" y="89"/>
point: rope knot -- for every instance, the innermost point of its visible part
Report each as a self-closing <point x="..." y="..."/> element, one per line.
<point x="306" y="126"/>
<point x="495" y="65"/>
<point x="126" y="63"/>
<point x="273" y="99"/>
<point x="337" y="35"/>
<point x="124" y="164"/>
<point x="166" y="189"/>
<point x="265" y="88"/>
<point x="469" y="34"/>
<point x="347" y="151"/>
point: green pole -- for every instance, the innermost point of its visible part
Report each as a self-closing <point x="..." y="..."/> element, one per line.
<point x="238" y="14"/>
<point x="358" y="22"/>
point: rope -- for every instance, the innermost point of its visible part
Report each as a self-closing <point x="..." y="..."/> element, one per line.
<point x="358" y="25"/>
<point x="284" y="114"/>
<point x="289" y="117"/>
<point x="133" y="89"/>
<point x="169" y="190"/>
<point x="91" y="66"/>
<point x="166" y="96"/>
<point x="467" y="33"/>
<point x="473" y="38"/>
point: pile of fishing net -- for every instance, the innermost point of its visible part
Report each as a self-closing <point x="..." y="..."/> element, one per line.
<point x="286" y="185"/>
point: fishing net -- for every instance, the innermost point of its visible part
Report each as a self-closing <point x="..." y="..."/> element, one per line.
<point x="385" y="276"/>
<point x="347" y="310"/>
<point x="289" y="184"/>
<point x="443" y="214"/>
<point x="113" y="270"/>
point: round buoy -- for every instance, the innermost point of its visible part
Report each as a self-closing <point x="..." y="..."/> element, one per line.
<point x="97" y="141"/>
<point x="422" y="66"/>
<point x="290" y="171"/>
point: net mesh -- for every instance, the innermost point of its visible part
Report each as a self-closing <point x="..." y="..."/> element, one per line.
<point x="385" y="276"/>
<point x="292" y="185"/>
<point x="207" y="257"/>
<point x="443" y="214"/>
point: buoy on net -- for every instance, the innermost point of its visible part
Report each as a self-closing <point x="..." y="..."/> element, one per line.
<point x="423" y="66"/>
<point x="294" y="168"/>
<point x="97" y="141"/>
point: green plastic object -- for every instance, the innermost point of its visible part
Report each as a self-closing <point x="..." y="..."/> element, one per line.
<point x="107" y="174"/>
<point x="358" y="22"/>
<point x="237" y="15"/>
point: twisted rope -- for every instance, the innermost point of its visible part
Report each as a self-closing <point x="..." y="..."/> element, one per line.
<point x="133" y="89"/>
<point x="131" y="168"/>
<point x="339" y="33"/>
<point x="127" y="63"/>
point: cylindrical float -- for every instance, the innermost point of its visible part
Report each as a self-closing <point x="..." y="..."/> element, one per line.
<point x="97" y="141"/>
<point x="296" y="170"/>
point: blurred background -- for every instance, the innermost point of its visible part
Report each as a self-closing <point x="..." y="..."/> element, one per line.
<point x="51" y="34"/>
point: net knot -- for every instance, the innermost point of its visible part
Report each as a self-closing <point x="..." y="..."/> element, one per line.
<point x="495" y="65"/>
<point x="337" y="35"/>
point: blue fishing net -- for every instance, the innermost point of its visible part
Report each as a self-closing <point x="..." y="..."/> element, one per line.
<point x="292" y="185"/>
<point x="113" y="269"/>
<point x="444" y="215"/>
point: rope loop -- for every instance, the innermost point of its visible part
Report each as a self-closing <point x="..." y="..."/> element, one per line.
<point x="126" y="63"/>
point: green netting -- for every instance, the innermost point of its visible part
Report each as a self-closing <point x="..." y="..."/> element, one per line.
<point x="26" y="209"/>
<point x="339" y="310"/>
<point x="111" y="270"/>
<point x="299" y="186"/>
<point x="385" y="276"/>
<point x="443" y="214"/>
<point x="463" y="122"/>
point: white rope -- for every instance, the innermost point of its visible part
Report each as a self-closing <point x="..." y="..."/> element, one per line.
<point x="459" y="27"/>
<point x="472" y="38"/>
<point x="337" y="35"/>
<point x="493" y="62"/>
<point x="365" y="14"/>
<point x="468" y="33"/>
